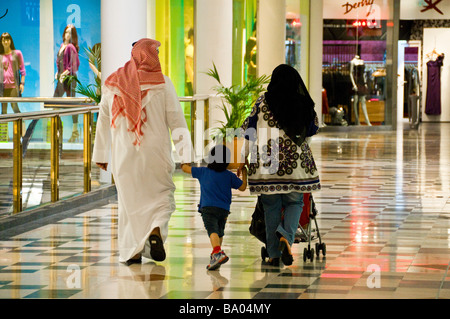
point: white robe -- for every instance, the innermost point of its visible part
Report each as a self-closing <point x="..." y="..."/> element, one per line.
<point x="143" y="176"/>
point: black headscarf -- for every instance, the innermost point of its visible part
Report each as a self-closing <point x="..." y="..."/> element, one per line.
<point x="289" y="101"/>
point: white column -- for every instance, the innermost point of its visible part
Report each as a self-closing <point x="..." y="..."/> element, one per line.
<point x="213" y="43"/>
<point x="316" y="49"/>
<point x="122" y="24"/>
<point x="47" y="62"/>
<point x="271" y="35"/>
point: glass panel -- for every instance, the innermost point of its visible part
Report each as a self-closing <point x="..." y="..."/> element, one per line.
<point x="354" y="65"/>
<point x="244" y="40"/>
<point x="174" y="28"/>
<point x="32" y="43"/>
<point x="71" y="168"/>
<point x="189" y="47"/>
<point x="36" y="189"/>
<point x="81" y="21"/>
<point x="6" y="170"/>
<point x="37" y="38"/>
<point x="20" y="54"/>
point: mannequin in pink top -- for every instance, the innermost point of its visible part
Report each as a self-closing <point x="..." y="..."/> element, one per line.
<point x="67" y="63"/>
<point x="12" y="72"/>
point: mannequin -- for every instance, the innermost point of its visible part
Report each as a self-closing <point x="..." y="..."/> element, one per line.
<point x="250" y="53"/>
<point x="360" y="89"/>
<point x="12" y="72"/>
<point x="67" y="63"/>
<point x="189" y="63"/>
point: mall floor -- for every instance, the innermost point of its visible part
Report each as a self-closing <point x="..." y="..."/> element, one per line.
<point x="383" y="213"/>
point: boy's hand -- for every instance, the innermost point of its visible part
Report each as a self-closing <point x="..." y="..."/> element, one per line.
<point x="241" y="168"/>
<point x="186" y="168"/>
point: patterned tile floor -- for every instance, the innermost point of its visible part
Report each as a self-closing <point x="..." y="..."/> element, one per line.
<point x="384" y="214"/>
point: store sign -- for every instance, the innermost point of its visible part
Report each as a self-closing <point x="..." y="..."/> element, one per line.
<point x="374" y="10"/>
<point x="432" y="5"/>
<point x="424" y="9"/>
<point x="349" y="6"/>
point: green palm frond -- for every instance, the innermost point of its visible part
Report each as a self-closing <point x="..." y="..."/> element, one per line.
<point x="93" y="55"/>
<point x="238" y="98"/>
<point x="93" y="90"/>
<point x="89" y="90"/>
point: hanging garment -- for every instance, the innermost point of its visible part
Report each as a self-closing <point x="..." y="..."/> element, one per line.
<point x="433" y="99"/>
<point x="325" y="106"/>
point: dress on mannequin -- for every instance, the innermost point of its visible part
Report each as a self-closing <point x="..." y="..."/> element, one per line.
<point x="12" y="72"/>
<point x="360" y="89"/>
<point x="67" y="63"/>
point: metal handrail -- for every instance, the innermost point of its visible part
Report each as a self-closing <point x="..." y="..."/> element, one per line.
<point x="81" y="100"/>
<point x="66" y="106"/>
<point x="73" y="100"/>
<point x="75" y="109"/>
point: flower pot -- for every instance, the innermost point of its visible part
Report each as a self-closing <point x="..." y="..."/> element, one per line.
<point x="235" y="146"/>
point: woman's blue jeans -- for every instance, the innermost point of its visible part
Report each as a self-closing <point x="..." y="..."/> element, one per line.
<point x="277" y="226"/>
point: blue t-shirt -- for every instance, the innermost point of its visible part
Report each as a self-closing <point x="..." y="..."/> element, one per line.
<point x="215" y="187"/>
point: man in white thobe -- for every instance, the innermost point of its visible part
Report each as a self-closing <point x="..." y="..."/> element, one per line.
<point x="139" y="106"/>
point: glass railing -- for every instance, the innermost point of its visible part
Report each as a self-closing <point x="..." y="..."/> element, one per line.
<point x="45" y="156"/>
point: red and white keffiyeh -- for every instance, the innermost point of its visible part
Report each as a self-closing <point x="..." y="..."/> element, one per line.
<point x="143" y="68"/>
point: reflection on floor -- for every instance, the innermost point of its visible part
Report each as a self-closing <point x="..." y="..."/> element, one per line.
<point x="384" y="214"/>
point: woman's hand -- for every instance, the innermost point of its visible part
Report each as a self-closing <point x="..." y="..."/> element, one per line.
<point x="241" y="167"/>
<point x="63" y="76"/>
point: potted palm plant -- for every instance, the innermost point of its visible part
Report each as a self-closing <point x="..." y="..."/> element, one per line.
<point x="237" y="103"/>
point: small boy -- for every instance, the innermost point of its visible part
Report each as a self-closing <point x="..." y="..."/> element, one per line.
<point x="216" y="183"/>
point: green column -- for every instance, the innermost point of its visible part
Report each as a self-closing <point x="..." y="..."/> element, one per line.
<point x="177" y="54"/>
<point x="238" y="28"/>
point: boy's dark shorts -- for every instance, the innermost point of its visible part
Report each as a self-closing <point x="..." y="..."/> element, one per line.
<point x="214" y="219"/>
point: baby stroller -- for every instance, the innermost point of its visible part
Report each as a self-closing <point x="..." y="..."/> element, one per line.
<point x="258" y="228"/>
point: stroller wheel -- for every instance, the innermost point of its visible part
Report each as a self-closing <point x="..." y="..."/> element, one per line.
<point x="321" y="247"/>
<point x="264" y="253"/>
<point x="308" y="254"/>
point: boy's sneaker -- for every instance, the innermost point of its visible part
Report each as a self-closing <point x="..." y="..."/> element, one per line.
<point x="216" y="260"/>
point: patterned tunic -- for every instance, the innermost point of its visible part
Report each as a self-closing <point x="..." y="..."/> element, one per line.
<point x="277" y="164"/>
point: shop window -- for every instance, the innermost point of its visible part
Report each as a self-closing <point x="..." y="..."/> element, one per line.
<point x="174" y="28"/>
<point x="244" y="40"/>
<point x="354" y="71"/>
<point x="20" y="23"/>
